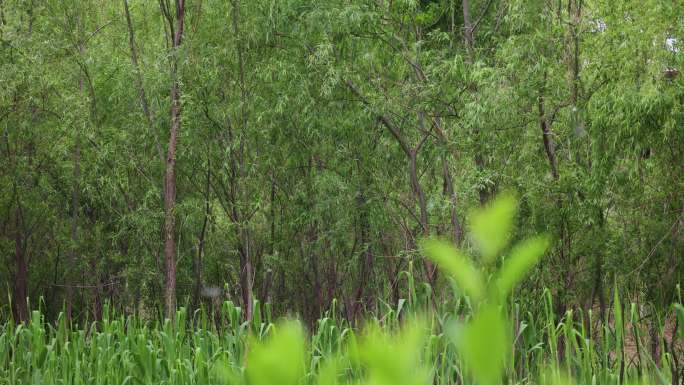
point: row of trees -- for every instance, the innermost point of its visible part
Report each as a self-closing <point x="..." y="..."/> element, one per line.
<point x="295" y="151"/>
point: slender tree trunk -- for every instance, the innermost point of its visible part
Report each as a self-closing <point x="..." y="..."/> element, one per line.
<point x="366" y="265"/>
<point x="468" y="31"/>
<point x="200" y="242"/>
<point x="655" y="341"/>
<point x="170" y="171"/>
<point x="412" y="156"/>
<point x="268" y="276"/>
<point x="73" y="248"/>
<point x="575" y="14"/>
<point x="75" y="205"/>
<point x="149" y="116"/>
<point x="21" y="276"/>
<point x="436" y="126"/>
<point x="317" y="287"/>
<point x="169" y="220"/>
<point x="241" y="217"/>
<point x="564" y="259"/>
<point x="147" y="111"/>
<point x="246" y="285"/>
<point x="469" y="37"/>
<point x="392" y="270"/>
<point x="547" y="138"/>
<point x="430" y="269"/>
<point x="2" y="16"/>
<point x="450" y="194"/>
<point x="598" y="289"/>
<point x="418" y="192"/>
<point x="265" y="294"/>
<point x="97" y="292"/>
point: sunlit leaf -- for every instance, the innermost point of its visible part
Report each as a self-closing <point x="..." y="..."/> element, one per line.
<point x="523" y="256"/>
<point x="456" y="265"/>
<point x="491" y="225"/>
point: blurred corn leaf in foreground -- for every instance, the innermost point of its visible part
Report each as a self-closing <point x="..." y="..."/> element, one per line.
<point x="491" y="227"/>
<point x="483" y="344"/>
<point x="456" y="265"/>
<point x="280" y="359"/>
<point x="394" y="359"/>
<point x="484" y="341"/>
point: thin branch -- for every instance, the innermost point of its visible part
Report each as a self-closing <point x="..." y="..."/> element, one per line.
<point x="394" y="130"/>
<point x="482" y="15"/>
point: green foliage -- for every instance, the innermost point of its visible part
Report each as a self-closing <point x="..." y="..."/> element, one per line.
<point x="282" y="160"/>
<point x="319" y="142"/>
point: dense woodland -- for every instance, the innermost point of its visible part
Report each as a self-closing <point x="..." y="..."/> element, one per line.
<point x="157" y="154"/>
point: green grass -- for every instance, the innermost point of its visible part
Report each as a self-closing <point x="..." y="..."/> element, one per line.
<point x="388" y="351"/>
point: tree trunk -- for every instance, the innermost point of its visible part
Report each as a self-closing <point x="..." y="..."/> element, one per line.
<point x="655" y="341"/>
<point x="549" y="146"/>
<point x="200" y="242"/>
<point x="419" y="194"/>
<point x="366" y="265"/>
<point x="21" y="277"/>
<point x="239" y="170"/>
<point x="469" y="37"/>
<point x="97" y="292"/>
<point x="412" y="155"/>
<point x="170" y="172"/>
<point x="75" y="205"/>
<point x="449" y="193"/>
<point x="73" y="248"/>
<point x="564" y="260"/>
<point x="149" y="116"/>
<point x="268" y="275"/>
<point x="246" y="285"/>
<point x="468" y="30"/>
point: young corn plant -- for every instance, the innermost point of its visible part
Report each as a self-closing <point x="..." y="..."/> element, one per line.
<point x="484" y="341"/>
